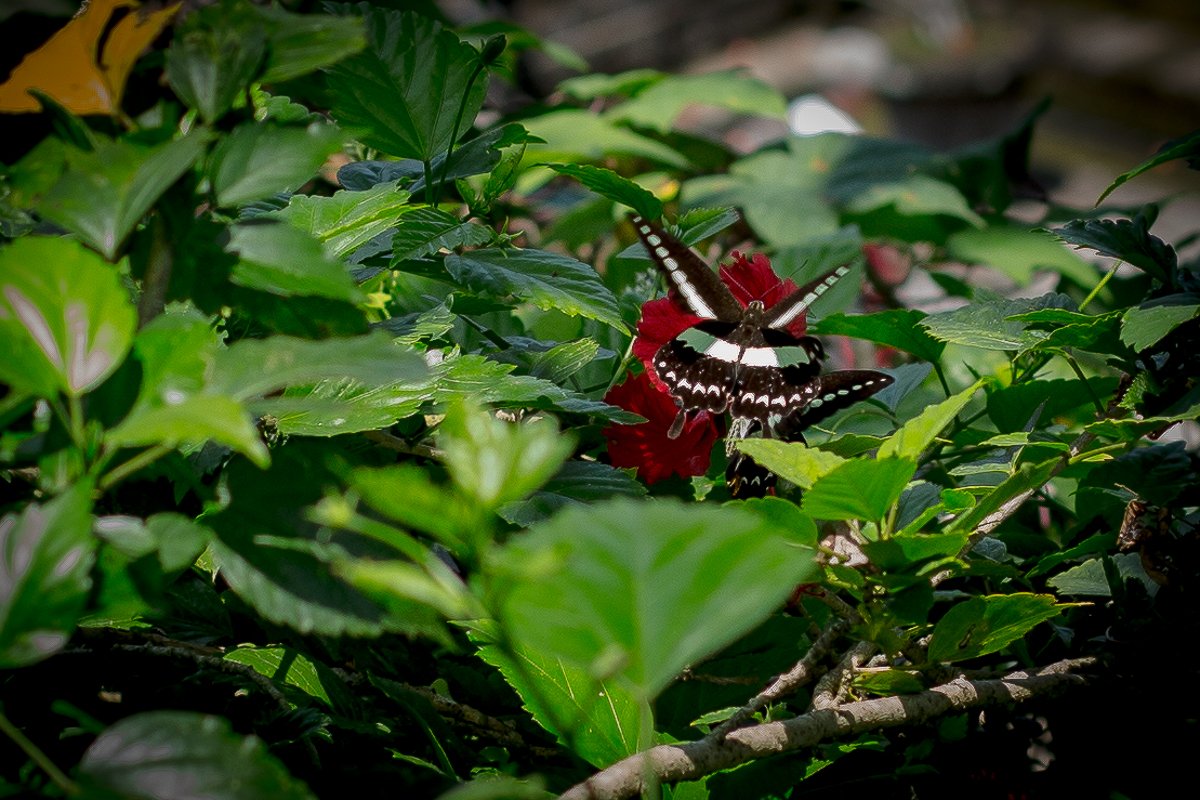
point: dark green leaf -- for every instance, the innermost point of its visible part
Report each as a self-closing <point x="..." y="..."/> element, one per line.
<point x="287" y="667"/>
<point x="280" y="259"/>
<point x="548" y="280"/>
<point x="1012" y="407"/>
<point x="1090" y="579"/>
<point x="257" y="161"/>
<point x="66" y="321"/>
<point x="607" y="183"/>
<point x="987" y="322"/>
<point x="105" y="193"/>
<point x="46" y="556"/>
<point x="180" y="755"/>
<point x="577" y="483"/>
<point x="347" y="220"/>
<point x="413" y="90"/>
<point x="642" y="589"/>
<point x="859" y="489"/>
<point x="215" y="55"/>
<point x="983" y="625"/>
<point x="895" y="328"/>
<point x="301" y="43"/>
<point x="1146" y="326"/>
<point x="1127" y="240"/>
<point x="425" y="231"/>
<point x="1027" y="477"/>
<point x="1187" y="147"/>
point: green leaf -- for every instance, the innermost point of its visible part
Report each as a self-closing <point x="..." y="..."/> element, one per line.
<point x="496" y="462"/>
<point x="1090" y="579"/>
<point x="1187" y="147"/>
<point x="623" y="84"/>
<point x="599" y="720"/>
<point x="859" y="489"/>
<point x="896" y="327"/>
<point x="427" y="230"/>
<point x="660" y="104"/>
<point x="1130" y="429"/>
<point x="786" y="516"/>
<point x="257" y="160"/>
<point x="607" y="183"/>
<point x="174" y="406"/>
<point x="1145" y="326"/>
<point x="577" y="483"/>
<point x="792" y="461"/>
<point x="278" y="258"/>
<point x="412" y="91"/>
<point x="640" y="590"/>
<point x="1019" y="253"/>
<point x="252" y="368"/>
<point x="215" y="55"/>
<point x="176" y="755"/>
<point x="916" y="196"/>
<point x="1027" y="477"/>
<point x="911" y="439"/>
<point x="67" y="322"/>
<point x="1127" y="240"/>
<point x="548" y="280"/>
<point x="347" y="220"/>
<point x="46" y="556"/>
<point x="577" y="135"/>
<point x="982" y="625"/>
<point x="302" y="43"/>
<point x="1012" y="407"/>
<point x="888" y="682"/>
<point x="288" y="667"/>
<point x="105" y="193"/>
<point x="562" y="361"/>
<point x="405" y="493"/>
<point x="987" y="324"/>
<point x="338" y="406"/>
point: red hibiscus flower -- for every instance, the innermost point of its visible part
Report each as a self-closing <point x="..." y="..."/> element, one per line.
<point x="646" y="445"/>
<point x="747" y="279"/>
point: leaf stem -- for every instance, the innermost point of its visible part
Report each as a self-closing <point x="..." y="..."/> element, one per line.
<point x="462" y="108"/>
<point x="36" y="755"/>
<point x="1083" y="379"/>
<point x="124" y="470"/>
<point x="1099" y="286"/>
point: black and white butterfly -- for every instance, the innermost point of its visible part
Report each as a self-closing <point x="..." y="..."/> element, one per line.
<point x="744" y="360"/>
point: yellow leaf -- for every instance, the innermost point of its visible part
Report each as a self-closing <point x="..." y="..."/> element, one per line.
<point x="68" y="67"/>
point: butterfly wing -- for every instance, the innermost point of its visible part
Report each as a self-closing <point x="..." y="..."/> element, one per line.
<point x="790" y="308"/>
<point x="697" y="289"/>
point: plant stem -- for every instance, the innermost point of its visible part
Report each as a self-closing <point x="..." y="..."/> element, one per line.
<point x="36" y="755"/>
<point x="462" y="108"/>
<point x="428" y="169"/>
<point x="1083" y="379"/>
<point x="142" y="459"/>
<point x="1099" y="286"/>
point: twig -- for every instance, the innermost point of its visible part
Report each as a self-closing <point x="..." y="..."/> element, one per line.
<point x="831" y="689"/>
<point x="57" y="776"/>
<point x="694" y="760"/>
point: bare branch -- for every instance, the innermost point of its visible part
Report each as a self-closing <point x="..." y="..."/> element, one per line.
<point x="832" y="687"/>
<point x="694" y="760"/>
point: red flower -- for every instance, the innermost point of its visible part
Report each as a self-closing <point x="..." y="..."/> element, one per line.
<point x="747" y="278"/>
<point x="646" y="445"/>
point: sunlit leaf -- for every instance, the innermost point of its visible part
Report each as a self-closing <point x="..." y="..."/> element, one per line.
<point x="792" y="461"/>
<point x="859" y="489"/>
<point x="981" y="625"/>
<point x="577" y="135"/>
<point x="348" y="219"/>
<point x="911" y="439"/>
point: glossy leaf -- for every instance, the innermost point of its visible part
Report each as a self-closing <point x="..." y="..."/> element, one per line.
<point x="105" y="193"/>
<point x="67" y="321"/>
<point x="257" y="161"/>
<point x="981" y="625"/>
<point x="859" y="489"/>
<point x="911" y="439"/>
<point x="639" y="590"/>
<point x="599" y="719"/>
<point x="46" y="556"/>
<point x="496" y="462"/>
<point x="280" y="259"/>
<point x="607" y="183"/>
<point x="895" y="328"/>
<point x="337" y="406"/>
<point x="177" y="755"/>
<point x="548" y="280"/>
<point x="347" y="220"/>
<point x="286" y="667"/>
<point x="412" y="91"/>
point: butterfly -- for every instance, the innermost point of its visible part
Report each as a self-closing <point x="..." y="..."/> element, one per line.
<point x="744" y="360"/>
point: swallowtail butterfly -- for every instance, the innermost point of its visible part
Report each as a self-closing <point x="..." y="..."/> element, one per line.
<point x="744" y="360"/>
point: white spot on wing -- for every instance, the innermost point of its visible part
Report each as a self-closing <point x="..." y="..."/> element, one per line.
<point x="725" y="351"/>
<point x="760" y="357"/>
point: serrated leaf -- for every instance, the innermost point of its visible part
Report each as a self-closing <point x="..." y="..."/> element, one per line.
<point x="285" y="666"/>
<point x="562" y="361"/>
<point x="982" y="625"/>
<point x="66" y="321"/>
<point x="1027" y="477"/>
<point x="607" y="183"/>
<point x="427" y="230"/>
<point x="348" y="219"/>
<point x="987" y="324"/>
<point x="911" y="439"/>
<point x="895" y="328"/>
<point x="280" y="259"/>
<point x="600" y="720"/>
<point x="860" y="489"/>
<point x="257" y="160"/>
<point x="1019" y="253"/>
<point x="340" y="406"/>
<point x="1145" y="326"/>
<point x="639" y="590"/>
<point x="105" y="193"/>
<point x="1127" y="240"/>
<point x="497" y="462"/>
<point x="414" y="88"/>
<point x="792" y="461"/>
<point x="178" y="755"/>
<point x="46" y="556"/>
<point x="548" y="280"/>
<point x="1186" y="147"/>
<point x="658" y="105"/>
